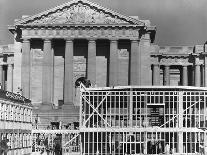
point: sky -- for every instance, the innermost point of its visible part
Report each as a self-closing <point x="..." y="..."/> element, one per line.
<point x="178" y="22"/>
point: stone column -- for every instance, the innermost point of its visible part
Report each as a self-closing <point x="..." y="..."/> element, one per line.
<point x="205" y="71"/>
<point x="10" y="78"/>
<point x="185" y="75"/>
<point x="68" y="76"/>
<point x="91" y="67"/>
<point x="47" y="73"/>
<point x="156" y="74"/>
<point x="135" y="71"/>
<point x="113" y="63"/>
<point x="1" y="77"/>
<point x="197" y="75"/>
<point x="3" y="80"/>
<point x="167" y="75"/>
<point x="203" y="75"/>
<point x="25" y="77"/>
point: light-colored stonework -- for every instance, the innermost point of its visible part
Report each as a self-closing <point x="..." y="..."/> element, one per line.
<point x="54" y="48"/>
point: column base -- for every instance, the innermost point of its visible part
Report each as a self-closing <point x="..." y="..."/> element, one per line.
<point x="68" y="106"/>
<point x="45" y="107"/>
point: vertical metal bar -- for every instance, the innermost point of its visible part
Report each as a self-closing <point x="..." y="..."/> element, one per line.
<point x="110" y="138"/>
<point x="169" y="106"/>
<point x="81" y="112"/>
<point x="114" y="103"/>
<point x="101" y="143"/>
<point x="136" y="103"/>
<point x="102" y="112"/>
<point x="90" y="137"/>
<point x="135" y="142"/>
<point x="130" y="108"/>
<point x="120" y="115"/>
<point x="114" y="142"/>
<point x="106" y="111"/>
<point x="205" y="125"/>
<point x="95" y="115"/>
<point x="190" y="109"/>
<point x="141" y="109"/>
<point x="89" y="110"/>
<point x="110" y="106"/>
<point x="98" y="97"/>
<point x="199" y="110"/>
<point x="86" y="111"/>
<point x="164" y="109"/>
<point x="97" y="142"/>
<point x="93" y="142"/>
<point x="173" y="107"/>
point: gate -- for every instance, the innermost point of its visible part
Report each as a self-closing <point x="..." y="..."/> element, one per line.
<point x="56" y="142"/>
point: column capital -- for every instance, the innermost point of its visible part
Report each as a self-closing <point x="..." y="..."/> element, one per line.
<point x="135" y="40"/>
<point x="113" y="39"/>
<point x="26" y="40"/>
<point x="47" y="39"/>
<point x="91" y="39"/>
<point x="157" y="64"/>
<point x="185" y="65"/>
<point x="69" y="39"/>
<point x="167" y="65"/>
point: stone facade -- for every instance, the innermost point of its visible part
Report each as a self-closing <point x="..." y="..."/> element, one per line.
<point x="81" y="39"/>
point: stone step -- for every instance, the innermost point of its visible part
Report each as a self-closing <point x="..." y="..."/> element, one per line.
<point x="46" y="116"/>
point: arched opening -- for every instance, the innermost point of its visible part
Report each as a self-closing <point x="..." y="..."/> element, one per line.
<point x="84" y="81"/>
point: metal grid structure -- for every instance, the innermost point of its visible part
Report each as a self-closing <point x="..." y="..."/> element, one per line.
<point x="65" y="142"/>
<point x="143" y="120"/>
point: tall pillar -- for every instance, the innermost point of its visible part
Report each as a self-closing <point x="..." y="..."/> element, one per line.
<point x="68" y="76"/>
<point x="156" y="74"/>
<point x="167" y="75"/>
<point x="197" y="75"/>
<point x="10" y="78"/>
<point x="25" y="77"/>
<point x="3" y="80"/>
<point x="1" y="76"/>
<point x="91" y="67"/>
<point x="47" y="73"/>
<point x="185" y="76"/>
<point x="192" y="75"/>
<point x="113" y="63"/>
<point x="205" y="71"/>
<point x="135" y="71"/>
<point x="202" y="75"/>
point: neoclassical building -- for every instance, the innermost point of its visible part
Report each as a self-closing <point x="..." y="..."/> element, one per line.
<point x="54" y="48"/>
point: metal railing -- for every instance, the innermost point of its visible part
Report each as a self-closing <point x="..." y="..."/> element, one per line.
<point x="61" y="142"/>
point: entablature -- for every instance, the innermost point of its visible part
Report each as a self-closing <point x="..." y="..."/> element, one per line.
<point x="181" y="61"/>
<point x="81" y="32"/>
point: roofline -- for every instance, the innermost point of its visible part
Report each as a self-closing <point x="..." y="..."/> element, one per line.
<point x="78" y="25"/>
<point x="170" y="54"/>
<point x="19" y="22"/>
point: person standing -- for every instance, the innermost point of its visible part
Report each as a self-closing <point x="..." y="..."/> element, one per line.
<point x="167" y="149"/>
<point x="4" y="148"/>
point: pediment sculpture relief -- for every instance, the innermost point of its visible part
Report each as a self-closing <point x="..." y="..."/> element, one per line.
<point x="78" y="14"/>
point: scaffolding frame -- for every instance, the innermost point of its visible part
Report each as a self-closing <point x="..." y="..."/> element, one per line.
<point x="135" y="120"/>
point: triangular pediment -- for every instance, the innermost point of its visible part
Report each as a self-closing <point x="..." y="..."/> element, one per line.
<point x="78" y="12"/>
